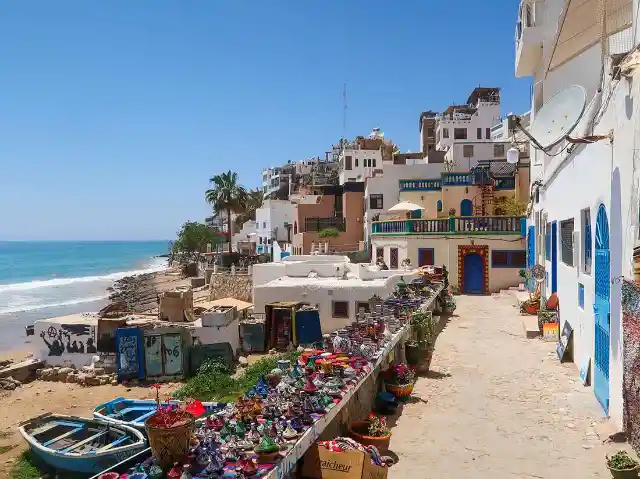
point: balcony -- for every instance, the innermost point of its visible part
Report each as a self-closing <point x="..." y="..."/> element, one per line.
<point x="467" y="225"/>
<point x="528" y="39"/>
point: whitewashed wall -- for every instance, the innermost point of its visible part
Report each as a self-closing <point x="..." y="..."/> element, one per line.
<point x="56" y="339"/>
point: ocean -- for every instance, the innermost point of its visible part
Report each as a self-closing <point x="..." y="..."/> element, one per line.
<point x="43" y="279"/>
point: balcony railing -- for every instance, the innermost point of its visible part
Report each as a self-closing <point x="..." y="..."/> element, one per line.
<point x="318" y="224"/>
<point x="502" y="225"/>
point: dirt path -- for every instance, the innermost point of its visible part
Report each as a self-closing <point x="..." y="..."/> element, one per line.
<point x="499" y="406"/>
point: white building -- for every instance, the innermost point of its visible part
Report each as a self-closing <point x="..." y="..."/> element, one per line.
<point x="359" y="159"/>
<point x="273" y="222"/>
<point x="242" y="240"/>
<point x="337" y="287"/>
<point x="472" y="121"/>
<point x="583" y="226"/>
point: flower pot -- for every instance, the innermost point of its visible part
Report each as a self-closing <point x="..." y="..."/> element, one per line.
<point x="624" y="473"/>
<point x="402" y="392"/>
<point x="413" y="354"/>
<point x="170" y="444"/>
<point x="425" y="363"/>
<point x="359" y="431"/>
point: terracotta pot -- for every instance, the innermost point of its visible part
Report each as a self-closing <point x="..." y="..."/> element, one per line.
<point x="402" y="392"/>
<point x="358" y="430"/>
<point x="624" y="473"/>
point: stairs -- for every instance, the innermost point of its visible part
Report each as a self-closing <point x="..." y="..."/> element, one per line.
<point x="483" y="200"/>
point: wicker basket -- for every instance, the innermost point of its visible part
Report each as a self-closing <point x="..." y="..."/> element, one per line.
<point x="402" y="392"/>
<point x="170" y="445"/>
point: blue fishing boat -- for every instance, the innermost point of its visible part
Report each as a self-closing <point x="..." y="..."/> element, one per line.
<point x="134" y="412"/>
<point x="76" y="444"/>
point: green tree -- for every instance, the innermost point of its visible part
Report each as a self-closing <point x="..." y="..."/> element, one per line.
<point x="226" y="195"/>
<point x="329" y="233"/>
<point x="192" y="240"/>
<point x="252" y="201"/>
<point x="508" y="206"/>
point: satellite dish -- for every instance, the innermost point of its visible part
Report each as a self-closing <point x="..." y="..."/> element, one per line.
<point x="537" y="273"/>
<point x="559" y="116"/>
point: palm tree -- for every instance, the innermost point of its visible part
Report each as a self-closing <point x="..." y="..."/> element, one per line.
<point x="226" y="195"/>
<point x="252" y="201"/>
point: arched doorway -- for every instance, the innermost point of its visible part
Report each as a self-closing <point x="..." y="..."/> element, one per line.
<point x="473" y="280"/>
<point x="601" y="310"/>
<point x="466" y="208"/>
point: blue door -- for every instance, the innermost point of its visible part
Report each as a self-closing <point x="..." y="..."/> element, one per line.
<point x="473" y="274"/>
<point x="129" y="353"/>
<point x="466" y="208"/>
<point x="601" y="310"/>
<point x="531" y="254"/>
<point x="554" y="257"/>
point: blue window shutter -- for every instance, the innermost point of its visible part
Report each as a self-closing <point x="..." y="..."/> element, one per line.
<point x="523" y="227"/>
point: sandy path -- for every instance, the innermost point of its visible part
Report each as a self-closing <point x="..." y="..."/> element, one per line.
<point x="509" y="409"/>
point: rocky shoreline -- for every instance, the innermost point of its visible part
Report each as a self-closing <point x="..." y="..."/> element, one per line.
<point x="139" y="293"/>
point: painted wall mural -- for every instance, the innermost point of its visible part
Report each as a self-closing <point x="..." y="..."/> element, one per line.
<point x="69" y="339"/>
<point x="631" y="361"/>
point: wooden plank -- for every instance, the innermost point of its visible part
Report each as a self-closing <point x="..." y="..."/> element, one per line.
<point x="84" y="441"/>
<point x="115" y="443"/>
<point x="63" y="436"/>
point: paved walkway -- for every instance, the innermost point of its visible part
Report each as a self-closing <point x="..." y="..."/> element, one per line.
<point x="499" y="406"/>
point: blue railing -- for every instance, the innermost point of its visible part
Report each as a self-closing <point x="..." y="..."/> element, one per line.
<point x="505" y="183"/>
<point x="456" y="179"/>
<point x="420" y="185"/>
<point x="453" y="225"/>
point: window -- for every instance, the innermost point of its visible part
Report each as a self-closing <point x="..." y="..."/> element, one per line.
<point x="566" y="238"/>
<point x="430" y="148"/>
<point x="375" y="202"/>
<point x="379" y="253"/>
<point x="430" y="132"/>
<point x="460" y="133"/>
<point x="581" y="295"/>
<point x="393" y="258"/>
<point x="547" y="242"/>
<point x="479" y="133"/>
<point x="264" y="225"/>
<point x="260" y="239"/>
<point x="340" y="309"/>
<point x="374" y="162"/>
<point x="487" y="133"/>
<point x="445" y="133"/>
<point x="498" y="151"/>
<point x="295" y="227"/>
<point x="347" y="162"/>
<point x="586" y="240"/>
<point x="425" y="256"/>
<point x="508" y="258"/>
<point x="467" y="151"/>
<point x="356" y="161"/>
<point x="364" y="305"/>
<point x="439" y="205"/>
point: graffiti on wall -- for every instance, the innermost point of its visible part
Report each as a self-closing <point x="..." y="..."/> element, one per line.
<point x="69" y="339"/>
<point x="128" y="354"/>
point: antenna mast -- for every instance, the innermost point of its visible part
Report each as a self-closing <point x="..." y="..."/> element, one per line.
<point x="344" y="112"/>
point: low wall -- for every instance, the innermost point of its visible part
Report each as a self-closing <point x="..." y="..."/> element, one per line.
<point x="225" y="286"/>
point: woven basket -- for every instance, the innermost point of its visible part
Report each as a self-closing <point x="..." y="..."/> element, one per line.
<point x="402" y="392"/>
<point x="170" y="445"/>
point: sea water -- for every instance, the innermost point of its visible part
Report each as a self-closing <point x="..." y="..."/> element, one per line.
<point x="52" y="278"/>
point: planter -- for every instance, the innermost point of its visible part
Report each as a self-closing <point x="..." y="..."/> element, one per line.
<point x="419" y="357"/>
<point x="170" y="445"/>
<point x="624" y="473"/>
<point x="358" y="430"/>
<point x="402" y="392"/>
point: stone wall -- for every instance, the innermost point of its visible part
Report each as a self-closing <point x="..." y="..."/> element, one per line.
<point x="225" y="286"/>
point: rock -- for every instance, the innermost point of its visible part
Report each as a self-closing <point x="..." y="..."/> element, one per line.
<point x="39" y="373"/>
<point x="98" y="371"/>
<point x="103" y="381"/>
<point x="106" y="377"/>
<point x="7" y="385"/>
<point x="14" y="381"/>
<point x="92" y="381"/>
<point x="114" y="382"/>
<point x="46" y="374"/>
<point x="243" y="361"/>
<point x="72" y="378"/>
<point x="81" y="378"/>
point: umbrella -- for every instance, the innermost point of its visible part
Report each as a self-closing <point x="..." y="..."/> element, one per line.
<point x="405" y="206"/>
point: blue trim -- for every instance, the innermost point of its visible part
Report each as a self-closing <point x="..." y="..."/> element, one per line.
<point x="433" y="254"/>
<point x="505" y="183"/>
<point x="581" y="295"/>
<point x="466" y="207"/>
<point x="554" y="257"/>
<point x="420" y="185"/>
<point x="456" y="179"/>
<point x="510" y="258"/>
<point x="587" y="243"/>
<point x="547" y="243"/>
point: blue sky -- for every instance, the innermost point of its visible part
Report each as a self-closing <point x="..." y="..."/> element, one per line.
<point x="114" y="114"/>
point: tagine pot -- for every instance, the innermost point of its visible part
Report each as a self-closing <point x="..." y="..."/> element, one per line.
<point x="170" y="444"/>
<point x="359" y="431"/>
<point x="624" y="473"/>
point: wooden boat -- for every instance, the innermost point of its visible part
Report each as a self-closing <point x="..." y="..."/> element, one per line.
<point x="134" y="412"/>
<point x="71" y="443"/>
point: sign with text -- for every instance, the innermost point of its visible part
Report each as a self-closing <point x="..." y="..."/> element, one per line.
<point x="320" y="463"/>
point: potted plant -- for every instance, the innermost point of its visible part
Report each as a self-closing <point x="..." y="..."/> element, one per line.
<point x="452" y="212"/>
<point x="372" y="432"/>
<point x="406" y="263"/>
<point x="525" y="274"/>
<point x="169" y="431"/>
<point x="399" y="380"/>
<point x="622" y="466"/>
<point x="448" y="303"/>
<point x="419" y="350"/>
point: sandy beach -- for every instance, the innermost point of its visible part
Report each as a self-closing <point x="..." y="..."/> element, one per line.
<point x="39" y="397"/>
